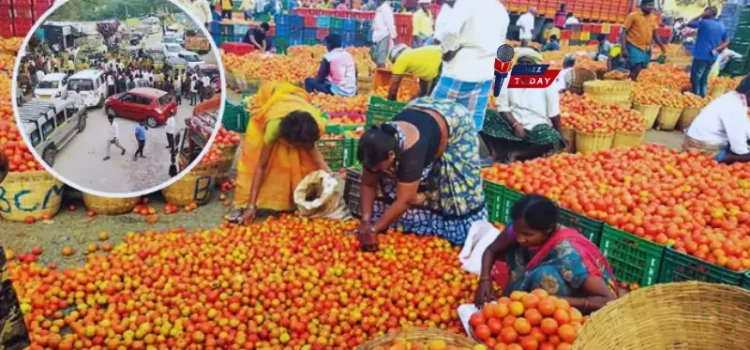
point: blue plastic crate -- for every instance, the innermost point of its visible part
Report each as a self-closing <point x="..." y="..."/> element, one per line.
<point x="296" y="35"/>
<point x="281" y="20"/>
<point x="349" y="36"/>
<point x="310" y="41"/>
<point x="283" y="31"/>
<point x="238" y="38"/>
<point x="350" y="25"/>
<point x="296" y="21"/>
<point x="295" y="41"/>
<point x="214" y="27"/>
<point x="324" y="22"/>
<point x="241" y="29"/>
<point x="309" y="33"/>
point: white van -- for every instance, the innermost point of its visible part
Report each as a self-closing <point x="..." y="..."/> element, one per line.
<point x="53" y="85"/>
<point x="90" y="86"/>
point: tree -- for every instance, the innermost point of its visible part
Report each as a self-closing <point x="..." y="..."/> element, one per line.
<point x="95" y="10"/>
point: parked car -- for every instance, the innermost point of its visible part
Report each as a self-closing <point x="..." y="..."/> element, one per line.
<point x="192" y="58"/>
<point x="53" y="85"/>
<point x="172" y="50"/>
<point x="90" y="86"/>
<point x="152" y="105"/>
<point x="172" y="39"/>
<point x="51" y="124"/>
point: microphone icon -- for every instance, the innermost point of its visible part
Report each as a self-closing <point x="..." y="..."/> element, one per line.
<point x="503" y="61"/>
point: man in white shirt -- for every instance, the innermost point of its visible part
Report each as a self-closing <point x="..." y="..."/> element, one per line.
<point x="722" y="129"/>
<point x="206" y="86"/>
<point x="474" y="32"/>
<point x="526" y="124"/>
<point x="113" y="136"/>
<point x="570" y="20"/>
<point x="170" y="129"/>
<point x="110" y="84"/>
<point x="383" y="32"/>
<point x="193" y="91"/>
<point x="442" y="18"/>
<point x="525" y="25"/>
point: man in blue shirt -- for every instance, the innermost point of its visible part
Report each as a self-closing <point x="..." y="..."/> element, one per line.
<point x="140" y="136"/>
<point x="710" y="41"/>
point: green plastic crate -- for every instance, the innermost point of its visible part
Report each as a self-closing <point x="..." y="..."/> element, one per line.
<point x="334" y="151"/>
<point x="310" y="42"/>
<point x="677" y="267"/>
<point x="337" y="23"/>
<point x="493" y="194"/>
<point x="590" y="228"/>
<point x="351" y="191"/>
<point x="510" y="197"/>
<point x="742" y="48"/>
<point x="380" y="110"/>
<point x="235" y="117"/>
<point x="746" y="281"/>
<point x="633" y="259"/>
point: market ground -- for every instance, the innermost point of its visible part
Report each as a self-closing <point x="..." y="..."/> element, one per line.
<point x="75" y="229"/>
<point x="81" y="160"/>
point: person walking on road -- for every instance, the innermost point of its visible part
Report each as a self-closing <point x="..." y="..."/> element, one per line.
<point x="131" y="84"/>
<point x="193" y="91"/>
<point x="110" y="84"/>
<point x="170" y="129"/>
<point x="140" y="137"/>
<point x="178" y="90"/>
<point x="383" y="32"/>
<point x="711" y="40"/>
<point x="114" y="131"/>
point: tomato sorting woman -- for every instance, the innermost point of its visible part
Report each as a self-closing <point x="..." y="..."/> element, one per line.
<point x="279" y="150"/>
<point x="535" y="251"/>
<point x="421" y="172"/>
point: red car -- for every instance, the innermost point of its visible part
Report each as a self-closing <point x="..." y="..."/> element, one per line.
<point x="152" y="105"/>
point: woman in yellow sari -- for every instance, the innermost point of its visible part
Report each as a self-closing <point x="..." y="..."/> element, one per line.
<point x="279" y="150"/>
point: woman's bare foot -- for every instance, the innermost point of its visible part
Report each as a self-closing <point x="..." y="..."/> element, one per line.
<point x="236" y="215"/>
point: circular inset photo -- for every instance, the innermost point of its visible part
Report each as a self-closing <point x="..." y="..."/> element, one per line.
<point x="118" y="98"/>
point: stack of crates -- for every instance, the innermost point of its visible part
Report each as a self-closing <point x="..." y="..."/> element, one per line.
<point x="289" y="31"/>
<point x="23" y="17"/>
<point x="740" y="43"/>
<point x="6" y="18"/>
<point x="363" y="36"/>
<point x="39" y="7"/>
<point x="403" y="28"/>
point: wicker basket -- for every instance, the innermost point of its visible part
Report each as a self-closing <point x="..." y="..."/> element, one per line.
<point x="225" y="163"/>
<point x="421" y="334"/>
<point x="240" y="80"/>
<point x="687" y="117"/>
<point x="32" y="194"/>
<point x="109" y="206"/>
<point x="668" y="117"/>
<point x="195" y="187"/>
<point x="609" y="91"/>
<point x="627" y="139"/>
<point x="687" y="316"/>
<point x="364" y="85"/>
<point x="569" y="135"/>
<point x="716" y="91"/>
<point x="579" y="77"/>
<point x="231" y="81"/>
<point x="589" y="142"/>
<point x="649" y="113"/>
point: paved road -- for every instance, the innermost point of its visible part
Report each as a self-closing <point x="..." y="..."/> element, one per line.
<point x="81" y="161"/>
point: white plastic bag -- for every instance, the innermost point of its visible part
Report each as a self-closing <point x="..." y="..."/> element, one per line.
<point x="321" y="195"/>
<point x="481" y="235"/>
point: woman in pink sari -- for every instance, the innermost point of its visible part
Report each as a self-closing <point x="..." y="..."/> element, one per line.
<point x="534" y="251"/>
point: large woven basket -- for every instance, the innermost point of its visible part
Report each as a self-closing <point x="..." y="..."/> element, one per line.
<point x="579" y="77"/>
<point x="225" y="163"/>
<point x="422" y="335"/>
<point x="627" y="139"/>
<point x="591" y="142"/>
<point x="649" y="113"/>
<point x="668" y="117"/>
<point x="364" y="85"/>
<point x="685" y="316"/>
<point x="231" y="81"/>
<point x="609" y="91"/>
<point x="109" y="206"/>
<point x="687" y="117"/>
<point x="240" y="79"/>
<point x="569" y="135"/>
<point x="33" y="194"/>
<point x="716" y="91"/>
<point x="195" y="187"/>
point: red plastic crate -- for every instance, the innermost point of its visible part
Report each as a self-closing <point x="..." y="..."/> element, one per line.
<point x="26" y="3"/>
<point x="322" y="33"/>
<point x="6" y="13"/>
<point x="310" y="21"/>
<point x="6" y="2"/>
<point x="21" y="27"/>
<point x="23" y="12"/>
<point x="237" y="48"/>
<point x="565" y="34"/>
<point x="6" y="30"/>
<point x="402" y="19"/>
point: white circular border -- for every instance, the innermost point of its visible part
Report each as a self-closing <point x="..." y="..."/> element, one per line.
<point x="26" y="140"/>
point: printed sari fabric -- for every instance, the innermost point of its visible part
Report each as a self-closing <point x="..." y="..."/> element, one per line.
<point x="450" y="196"/>
<point x="704" y="148"/>
<point x="13" y="335"/>
<point x="560" y="267"/>
<point x="288" y="164"/>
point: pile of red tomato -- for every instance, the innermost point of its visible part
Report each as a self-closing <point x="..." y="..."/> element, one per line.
<point x="585" y="115"/>
<point x="660" y="194"/>
<point x="288" y="282"/>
